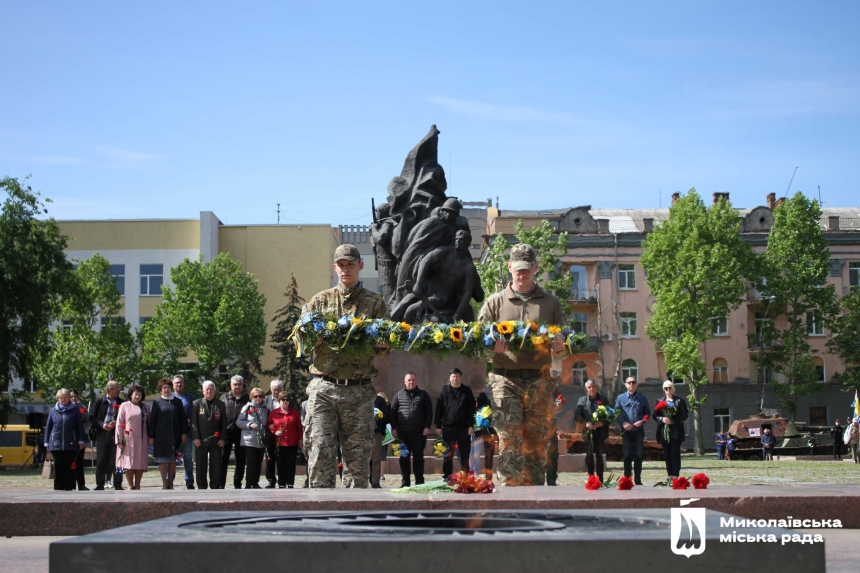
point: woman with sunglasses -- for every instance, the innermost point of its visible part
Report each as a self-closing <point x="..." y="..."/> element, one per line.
<point x="675" y="422"/>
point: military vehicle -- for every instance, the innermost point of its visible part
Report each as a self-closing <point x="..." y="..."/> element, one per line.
<point x="791" y="437"/>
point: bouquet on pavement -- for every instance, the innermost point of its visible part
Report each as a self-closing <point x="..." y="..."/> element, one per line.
<point x="665" y="409"/>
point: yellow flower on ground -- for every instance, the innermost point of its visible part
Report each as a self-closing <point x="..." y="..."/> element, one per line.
<point x="406" y="326"/>
<point x="456" y="335"/>
<point x="438" y="336"/>
<point x="330" y="325"/>
<point x="554" y="329"/>
<point x="505" y="327"/>
<point x="538" y="340"/>
<point x="357" y="321"/>
<point x="393" y="338"/>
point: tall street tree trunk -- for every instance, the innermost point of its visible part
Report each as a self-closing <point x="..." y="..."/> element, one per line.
<point x="698" y="444"/>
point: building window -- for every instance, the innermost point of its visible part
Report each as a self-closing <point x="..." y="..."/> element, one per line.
<point x="722" y="420"/>
<point x="814" y="323"/>
<point x="111" y="320"/>
<point x="626" y="277"/>
<point x="819" y="369"/>
<point x="818" y="416"/>
<point x="628" y="324"/>
<point x="151" y="279"/>
<point x="854" y="274"/>
<point x="579" y="321"/>
<point x="577" y="286"/>
<point x="66" y="326"/>
<point x="762" y="319"/>
<point x="721" y="370"/>
<point x="118" y="273"/>
<point x="719" y="326"/>
<point x="580" y="373"/>
<point x="629" y="368"/>
<point x="144" y="320"/>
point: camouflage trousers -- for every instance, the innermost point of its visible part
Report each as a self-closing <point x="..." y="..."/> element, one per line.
<point x="344" y="412"/>
<point x="523" y="419"/>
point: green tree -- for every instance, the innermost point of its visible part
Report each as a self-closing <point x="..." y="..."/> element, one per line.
<point x="845" y="339"/>
<point x="214" y="314"/>
<point x="79" y="353"/>
<point x="795" y="269"/>
<point x="696" y="265"/>
<point x="291" y="370"/>
<point x="549" y="247"/>
<point x="35" y="274"/>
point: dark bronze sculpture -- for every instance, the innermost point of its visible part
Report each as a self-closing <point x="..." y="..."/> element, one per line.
<point x="421" y="244"/>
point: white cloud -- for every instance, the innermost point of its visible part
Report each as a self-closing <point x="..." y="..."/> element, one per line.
<point x="503" y="112"/>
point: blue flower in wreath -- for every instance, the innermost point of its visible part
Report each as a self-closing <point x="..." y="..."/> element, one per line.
<point x="319" y="325"/>
<point x="488" y="340"/>
<point x="542" y="330"/>
<point x="372" y="330"/>
<point x="412" y="334"/>
<point x="307" y="317"/>
<point x="343" y="321"/>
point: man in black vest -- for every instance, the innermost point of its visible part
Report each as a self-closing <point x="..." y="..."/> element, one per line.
<point x="208" y="424"/>
<point x="411" y="417"/>
<point x="837" y="434"/>
<point x="594" y="446"/>
<point x="102" y="416"/>
<point x="455" y="412"/>
<point x="234" y="401"/>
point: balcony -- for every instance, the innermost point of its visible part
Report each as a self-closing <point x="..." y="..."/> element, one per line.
<point x="583" y="295"/>
<point x="755" y="295"/>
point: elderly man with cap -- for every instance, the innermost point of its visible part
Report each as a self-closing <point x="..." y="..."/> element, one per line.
<point x="340" y="393"/>
<point x="521" y="382"/>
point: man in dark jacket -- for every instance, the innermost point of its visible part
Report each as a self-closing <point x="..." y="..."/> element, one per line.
<point x="208" y="425"/>
<point x="455" y="413"/>
<point x="837" y="435"/>
<point x="380" y="404"/>
<point x="102" y="416"/>
<point x="411" y="417"/>
<point x="234" y="400"/>
<point x="594" y="446"/>
<point x="767" y="443"/>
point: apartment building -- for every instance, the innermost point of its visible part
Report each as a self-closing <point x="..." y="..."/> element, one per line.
<point x="603" y="251"/>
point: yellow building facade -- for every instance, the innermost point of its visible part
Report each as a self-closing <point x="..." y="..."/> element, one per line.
<point x="142" y="252"/>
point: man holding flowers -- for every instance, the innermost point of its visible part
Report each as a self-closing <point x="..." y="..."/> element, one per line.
<point x="521" y="382"/>
<point x="340" y="394"/>
<point x="633" y="411"/>
<point x="596" y="431"/>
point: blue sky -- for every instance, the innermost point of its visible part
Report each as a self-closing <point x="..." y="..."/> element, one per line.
<point x="161" y="110"/>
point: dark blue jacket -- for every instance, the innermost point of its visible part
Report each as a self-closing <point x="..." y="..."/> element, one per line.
<point x="767" y="440"/>
<point x="65" y="428"/>
<point x="631" y="409"/>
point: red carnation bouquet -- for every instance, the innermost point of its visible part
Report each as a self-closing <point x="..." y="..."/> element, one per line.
<point x="666" y="410"/>
<point x="701" y="481"/>
<point x="463" y="482"/>
<point x="680" y="483"/>
<point x="594" y="483"/>
<point x="625" y="483"/>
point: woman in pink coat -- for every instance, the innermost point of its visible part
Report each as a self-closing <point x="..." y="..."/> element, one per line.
<point x="132" y="452"/>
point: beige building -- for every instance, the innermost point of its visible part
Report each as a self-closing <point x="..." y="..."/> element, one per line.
<point x="604" y="247"/>
<point x="142" y="252"/>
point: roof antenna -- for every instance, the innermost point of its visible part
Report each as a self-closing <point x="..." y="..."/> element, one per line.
<point x="820" y="202"/>
<point x="789" y="183"/>
<point x="279" y="213"/>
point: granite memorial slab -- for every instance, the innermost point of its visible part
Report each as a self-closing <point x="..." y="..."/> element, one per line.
<point x="643" y="541"/>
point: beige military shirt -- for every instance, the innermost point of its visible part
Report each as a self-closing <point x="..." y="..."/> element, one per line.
<point x="506" y="305"/>
<point x="339" y="301"/>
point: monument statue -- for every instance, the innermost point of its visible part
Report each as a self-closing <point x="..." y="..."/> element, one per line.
<point x="421" y="243"/>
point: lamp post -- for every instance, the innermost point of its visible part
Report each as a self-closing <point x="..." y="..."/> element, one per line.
<point x="761" y="380"/>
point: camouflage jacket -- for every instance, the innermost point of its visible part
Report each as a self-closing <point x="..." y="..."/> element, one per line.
<point x="359" y="302"/>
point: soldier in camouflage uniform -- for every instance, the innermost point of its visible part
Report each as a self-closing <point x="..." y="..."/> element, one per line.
<point x="340" y="394"/>
<point x="521" y="384"/>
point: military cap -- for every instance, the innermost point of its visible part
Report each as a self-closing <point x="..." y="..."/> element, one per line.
<point x="523" y="256"/>
<point x="347" y="252"/>
<point x="452" y="204"/>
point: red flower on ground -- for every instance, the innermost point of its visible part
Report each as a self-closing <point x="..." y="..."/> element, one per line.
<point x="470" y="483"/>
<point x="626" y="482"/>
<point x="701" y="481"/>
<point x="680" y="483"/>
<point x="593" y="482"/>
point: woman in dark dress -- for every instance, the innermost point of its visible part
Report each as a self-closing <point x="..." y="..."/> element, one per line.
<point x="79" y="459"/>
<point x="672" y="448"/>
<point x="167" y="431"/>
